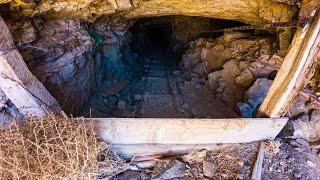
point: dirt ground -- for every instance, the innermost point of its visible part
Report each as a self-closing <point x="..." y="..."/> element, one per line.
<point x="284" y="159"/>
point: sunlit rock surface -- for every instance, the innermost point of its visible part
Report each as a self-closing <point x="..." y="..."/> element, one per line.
<point x="255" y="12"/>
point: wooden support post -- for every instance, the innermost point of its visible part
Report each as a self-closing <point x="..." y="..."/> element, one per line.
<point x="17" y="82"/>
<point x="258" y="166"/>
<point x="294" y="71"/>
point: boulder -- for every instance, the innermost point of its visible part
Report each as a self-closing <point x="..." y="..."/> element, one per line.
<point x="257" y="92"/>
<point x="212" y="59"/>
<point x="169" y="169"/>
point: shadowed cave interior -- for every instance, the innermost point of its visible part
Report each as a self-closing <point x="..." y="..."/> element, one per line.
<point x="152" y="78"/>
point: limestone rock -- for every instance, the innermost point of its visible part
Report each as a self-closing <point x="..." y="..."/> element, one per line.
<point x="261" y="70"/>
<point x="199" y="69"/>
<point x="299" y="106"/>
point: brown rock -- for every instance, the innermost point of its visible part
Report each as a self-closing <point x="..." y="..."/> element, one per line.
<point x="211" y="59"/>
<point x="245" y="79"/>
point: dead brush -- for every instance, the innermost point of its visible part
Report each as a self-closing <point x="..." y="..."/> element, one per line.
<point x="52" y="148"/>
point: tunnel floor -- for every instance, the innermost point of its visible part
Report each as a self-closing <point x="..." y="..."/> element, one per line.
<point x="167" y="95"/>
<point x="162" y="92"/>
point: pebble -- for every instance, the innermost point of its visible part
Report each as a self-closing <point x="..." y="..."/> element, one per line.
<point x="241" y="163"/>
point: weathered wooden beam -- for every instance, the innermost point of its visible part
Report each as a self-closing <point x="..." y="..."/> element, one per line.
<point x="187" y="131"/>
<point x="17" y="82"/>
<point x="294" y="71"/>
<point x="258" y="166"/>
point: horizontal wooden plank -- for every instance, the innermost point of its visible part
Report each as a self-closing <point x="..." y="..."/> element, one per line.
<point x="187" y="131"/>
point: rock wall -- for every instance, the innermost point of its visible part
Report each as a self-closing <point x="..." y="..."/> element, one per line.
<point x="58" y="52"/>
<point x="249" y="11"/>
<point x="233" y="64"/>
<point x="112" y="53"/>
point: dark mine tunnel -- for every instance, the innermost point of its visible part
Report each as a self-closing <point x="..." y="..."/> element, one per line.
<point x="152" y="76"/>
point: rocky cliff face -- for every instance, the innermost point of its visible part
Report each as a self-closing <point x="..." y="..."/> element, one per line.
<point x="253" y="12"/>
<point x="58" y="52"/>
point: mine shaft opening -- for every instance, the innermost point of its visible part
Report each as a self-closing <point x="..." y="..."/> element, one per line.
<point x="152" y="67"/>
<point x="164" y="69"/>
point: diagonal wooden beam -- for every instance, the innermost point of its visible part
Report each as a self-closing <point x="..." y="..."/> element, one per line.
<point x="295" y="70"/>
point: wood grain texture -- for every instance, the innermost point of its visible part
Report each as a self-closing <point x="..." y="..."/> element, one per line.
<point x="294" y="72"/>
<point x="18" y="83"/>
<point x="187" y="131"/>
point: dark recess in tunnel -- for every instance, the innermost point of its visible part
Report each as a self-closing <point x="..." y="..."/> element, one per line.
<point x="170" y="35"/>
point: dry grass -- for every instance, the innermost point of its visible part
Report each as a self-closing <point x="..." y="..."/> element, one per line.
<point x="54" y="148"/>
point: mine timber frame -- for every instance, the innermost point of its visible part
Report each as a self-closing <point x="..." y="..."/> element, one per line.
<point x="158" y="135"/>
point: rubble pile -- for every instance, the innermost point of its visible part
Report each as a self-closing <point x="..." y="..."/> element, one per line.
<point x="238" y="66"/>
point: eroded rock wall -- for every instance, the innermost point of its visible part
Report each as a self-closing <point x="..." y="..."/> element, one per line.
<point x="58" y="52"/>
<point x="238" y="66"/>
<point x="249" y="11"/>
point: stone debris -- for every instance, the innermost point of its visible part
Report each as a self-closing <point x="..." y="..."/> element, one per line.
<point x="169" y="169"/>
<point x="209" y="169"/>
<point x="232" y="63"/>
